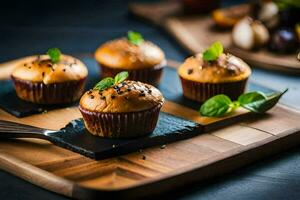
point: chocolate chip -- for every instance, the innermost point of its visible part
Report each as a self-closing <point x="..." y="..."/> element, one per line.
<point x="29" y="67"/>
<point x="190" y="71"/>
<point x="120" y="92"/>
<point x="144" y="157"/>
<point x="92" y="96"/>
<point x="49" y="65"/>
<point x="43" y="74"/>
<point x="142" y="91"/>
<point x="90" y="92"/>
<point x="142" y="94"/>
<point x="64" y="70"/>
<point x="113" y="96"/>
<point x="128" y="90"/>
<point x="103" y="97"/>
<point x="149" y="91"/>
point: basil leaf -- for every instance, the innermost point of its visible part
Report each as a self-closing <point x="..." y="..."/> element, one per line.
<point x="216" y="106"/>
<point x="251" y="97"/>
<point x="135" y="37"/>
<point x="120" y="77"/>
<point x="104" y="83"/>
<point x="263" y="105"/>
<point x="54" y="54"/>
<point x="213" y="52"/>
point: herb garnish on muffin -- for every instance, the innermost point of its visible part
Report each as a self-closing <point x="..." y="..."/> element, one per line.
<point x="54" y="54"/>
<point x="213" y="52"/>
<point x="135" y="37"/>
<point x="109" y="81"/>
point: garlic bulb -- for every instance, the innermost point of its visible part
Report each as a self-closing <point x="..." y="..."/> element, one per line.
<point x="268" y="14"/>
<point x="248" y="34"/>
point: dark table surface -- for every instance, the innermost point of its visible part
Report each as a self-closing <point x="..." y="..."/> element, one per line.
<point x="31" y="27"/>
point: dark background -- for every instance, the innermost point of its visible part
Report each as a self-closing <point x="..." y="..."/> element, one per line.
<point x="31" y="27"/>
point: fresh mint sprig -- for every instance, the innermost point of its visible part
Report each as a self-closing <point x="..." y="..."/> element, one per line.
<point x="213" y="52"/>
<point x="54" y="54"/>
<point x="109" y="81"/>
<point x="135" y="37"/>
<point x="258" y="102"/>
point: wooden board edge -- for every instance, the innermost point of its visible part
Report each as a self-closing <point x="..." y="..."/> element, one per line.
<point x="200" y="172"/>
<point x="35" y="175"/>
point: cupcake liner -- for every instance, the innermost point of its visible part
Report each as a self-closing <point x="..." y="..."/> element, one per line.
<point x="55" y="93"/>
<point x="121" y="125"/>
<point x="151" y="75"/>
<point x="202" y="91"/>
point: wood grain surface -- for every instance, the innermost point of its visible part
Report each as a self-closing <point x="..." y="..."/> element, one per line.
<point x="196" y="32"/>
<point x="150" y="170"/>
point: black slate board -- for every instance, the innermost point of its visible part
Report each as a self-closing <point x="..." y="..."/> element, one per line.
<point x="76" y="138"/>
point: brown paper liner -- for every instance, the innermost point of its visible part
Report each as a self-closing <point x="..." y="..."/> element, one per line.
<point x="121" y="125"/>
<point x="202" y="91"/>
<point x="151" y="75"/>
<point x="55" y="93"/>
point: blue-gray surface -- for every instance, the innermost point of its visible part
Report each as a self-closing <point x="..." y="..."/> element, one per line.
<point x="80" y="26"/>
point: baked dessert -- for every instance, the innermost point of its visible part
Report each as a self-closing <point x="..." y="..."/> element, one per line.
<point x="142" y="59"/>
<point x="203" y="78"/>
<point x="50" y="79"/>
<point x="125" y="109"/>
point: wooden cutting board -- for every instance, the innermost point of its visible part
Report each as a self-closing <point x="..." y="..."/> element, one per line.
<point x="152" y="170"/>
<point x="197" y="32"/>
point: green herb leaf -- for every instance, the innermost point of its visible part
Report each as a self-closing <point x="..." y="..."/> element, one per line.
<point x="54" y="54"/>
<point x="104" y="83"/>
<point x="109" y="81"/>
<point x="213" y="52"/>
<point x="120" y="77"/>
<point x="135" y="37"/>
<point x="263" y="105"/>
<point x="216" y="106"/>
<point x="251" y="97"/>
<point x="258" y="102"/>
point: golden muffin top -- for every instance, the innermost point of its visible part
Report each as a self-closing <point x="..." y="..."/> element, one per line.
<point x="42" y="69"/>
<point x="226" y="68"/>
<point x="122" y="54"/>
<point x="127" y="96"/>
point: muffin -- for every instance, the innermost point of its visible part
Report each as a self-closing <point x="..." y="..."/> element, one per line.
<point x="125" y="110"/>
<point x="43" y="81"/>
<point x="144" y="61"/>
<point x="201" y="79"/>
